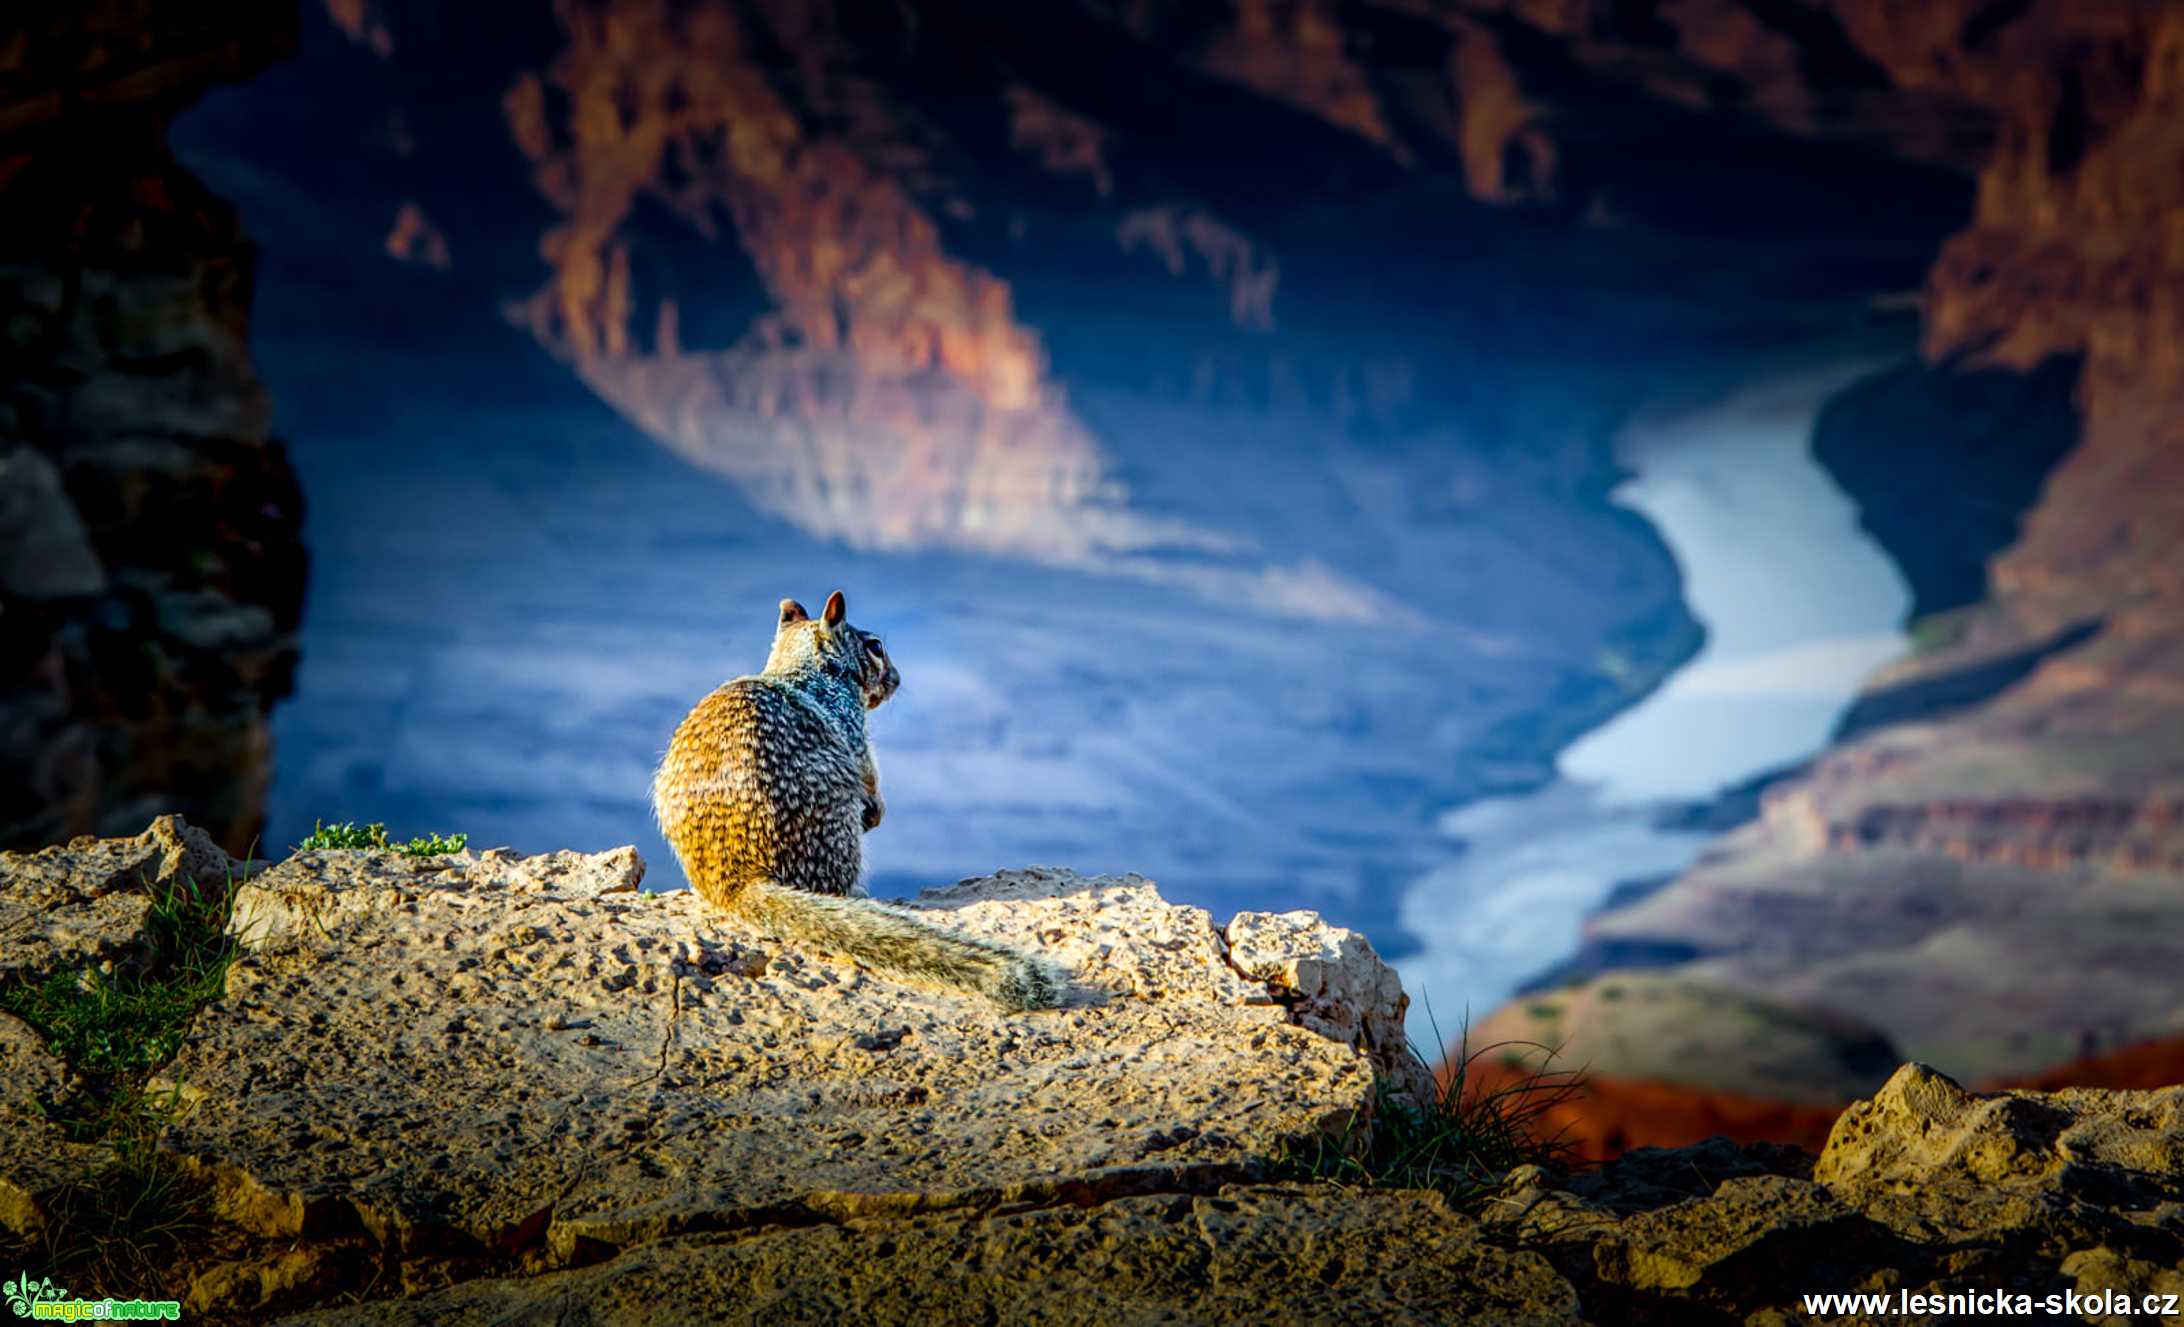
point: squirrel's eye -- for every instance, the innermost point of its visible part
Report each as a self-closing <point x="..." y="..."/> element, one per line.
<point x="877" y="652"/>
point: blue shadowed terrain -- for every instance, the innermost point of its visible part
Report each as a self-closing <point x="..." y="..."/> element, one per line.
<point x="1351" y="564"/>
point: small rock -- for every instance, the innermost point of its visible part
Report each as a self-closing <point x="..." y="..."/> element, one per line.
<point x="1334" y="984"/>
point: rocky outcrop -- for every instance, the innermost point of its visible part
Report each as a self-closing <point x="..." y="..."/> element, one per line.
<point x="596" y="1067"/>
<point x="1241" y="1254"/>
<point x="888" y="369"/>
<point x="1925" y="1189"/>
<point x="483" y="1087"/>
<point x="488" y="1061"/>
<point x="84" y="902"/>
<point x="150" y="570"/>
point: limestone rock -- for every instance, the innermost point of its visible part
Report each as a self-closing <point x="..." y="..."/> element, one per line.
<point x="76" y="905"/>
<point x="488" y="1051"/>
<point x="486" y="1087"/>
<point x="34" y="1154"/>
<point x="1923" y="1130"/>
<point x="84" y="901"/>
<point x="1751" y="1235"/>
<point x="1335" y="985"/>
<point x="1305" y="1254"/>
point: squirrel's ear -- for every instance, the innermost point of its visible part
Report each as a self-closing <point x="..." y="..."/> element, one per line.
<point x="792" y="611"/>
<point x="836" y="610"/>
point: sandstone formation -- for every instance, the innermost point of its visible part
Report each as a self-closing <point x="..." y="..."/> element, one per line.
<point x="150" y="572"/>
<point x="786" y="255"/>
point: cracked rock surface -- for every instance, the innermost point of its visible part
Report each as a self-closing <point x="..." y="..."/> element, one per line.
<point x="1238" y="1255"/>
<point x="496" y="1052"/>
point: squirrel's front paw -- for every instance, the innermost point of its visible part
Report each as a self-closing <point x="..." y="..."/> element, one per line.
<point x="874" y="811"/>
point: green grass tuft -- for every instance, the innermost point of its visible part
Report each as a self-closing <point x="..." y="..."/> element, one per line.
<point x="349" y="835"/>
<point x="107" y="1025"/>
<point x="127" y="1022"/>
<point x="116" y="1224"/>
<point x="1460" y="1144"/>
<point x="119" y="1224"/>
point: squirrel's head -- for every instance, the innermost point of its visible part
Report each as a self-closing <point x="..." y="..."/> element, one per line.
<point x="832" y="643"/>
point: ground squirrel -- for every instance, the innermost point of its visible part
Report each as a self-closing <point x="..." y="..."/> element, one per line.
<point x="768" y="787"/>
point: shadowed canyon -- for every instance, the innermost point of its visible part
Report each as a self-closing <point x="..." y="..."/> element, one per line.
<point x="1667" y="517"/>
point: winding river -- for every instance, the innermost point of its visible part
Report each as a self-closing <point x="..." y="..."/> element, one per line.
<point x="1799" y="605"/>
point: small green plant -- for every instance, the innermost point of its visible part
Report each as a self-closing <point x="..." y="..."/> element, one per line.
<point x="129" y="1021"/>
<point x="117" y="1222"/>
<point x="348" y="834"/>
<point x="374" y="836"/>
<point x="1460" y="1142"/>
<point x="434" y="845"/>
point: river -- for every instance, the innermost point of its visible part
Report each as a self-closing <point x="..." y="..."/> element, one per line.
<point x="1799" y="605"/>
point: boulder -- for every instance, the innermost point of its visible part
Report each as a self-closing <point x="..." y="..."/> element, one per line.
<point x="1334" y="984"/>
<point x="83" y="902"/>
<point x="1923" y="1131"/>
<point x="497" y="1052"/>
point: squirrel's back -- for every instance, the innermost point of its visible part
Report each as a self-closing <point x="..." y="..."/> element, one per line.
<point x="767" y="789"/>
<point x="760" y="784"/>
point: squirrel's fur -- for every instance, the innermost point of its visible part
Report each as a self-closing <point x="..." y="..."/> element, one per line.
<point x="767" y="789"/>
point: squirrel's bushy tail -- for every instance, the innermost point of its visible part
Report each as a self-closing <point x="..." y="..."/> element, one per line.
<point x="880" y="935"/>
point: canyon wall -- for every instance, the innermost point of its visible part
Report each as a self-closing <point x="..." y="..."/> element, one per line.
<point x="945" y="281"/>
<point x="1983" y="867"/>
<point x="151" y="574"/>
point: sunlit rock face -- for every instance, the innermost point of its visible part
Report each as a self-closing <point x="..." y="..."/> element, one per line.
<point x="783" y="230"/>
<point x="150" y="570"/>
<point x="889" y="397"/>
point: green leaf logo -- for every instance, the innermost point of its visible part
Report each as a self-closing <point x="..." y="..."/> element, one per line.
<point x="24" y="1292"/>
